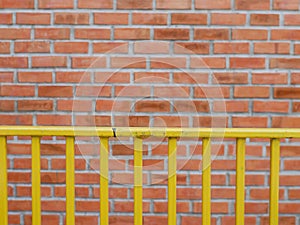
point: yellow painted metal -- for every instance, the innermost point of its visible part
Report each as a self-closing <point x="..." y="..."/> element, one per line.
<point x="138" y="181"/>
<point x="206" y="181"/>
<point x="240" y="181"/>
<point x="3" y="182"/>
<point x="36" y="181"/>
<point x="104" y="206"/>
<point x="146" y="131"/>
<point x="274" y="181"/>
<point x="70" y="181"/>
<point x="172" y="151"/>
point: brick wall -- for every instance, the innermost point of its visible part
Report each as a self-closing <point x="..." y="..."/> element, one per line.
<point x="188" y="63"/>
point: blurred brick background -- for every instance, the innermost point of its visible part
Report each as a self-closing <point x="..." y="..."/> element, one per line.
<point x="190" y="63"/>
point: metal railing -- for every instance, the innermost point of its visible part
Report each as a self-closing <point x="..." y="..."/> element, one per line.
<point x="139" y="133"/>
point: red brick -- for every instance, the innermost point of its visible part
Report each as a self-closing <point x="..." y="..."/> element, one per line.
<point x="231" y="48"/>
<point x="167" y="92"/>
<point x="132" y="33"/>
<point x="208" y="62"/>
<point x="49" y="61"/>
<point x="150" y="18"/>
<point x="230" y="78"/>
<point x="228" y="220"/>
<point x="88" y="33"/>
<point x="74" y="105"/>
<point x="191" y="48"/>
<point x="189" y="18"/>
<point x="127" y="206"/>
<point x="134" y="4"/>
<point x="286" y="4"/>
<point x="152" y="47"/>
<point x="128" y="62"/>
<point x="289" y="180"/>
<point x="269" y="78"/>
<point x="46" y="219"/>
<point x="110" y="47"/>
<point x="151" y="77"/>
<point x="294" y="194"/>
<point x="16" y="90"/>
<point x="54" y="120"/>
<point x="88" y="62"/>
<point x="14" y="219"/>
<point x="52" y="33"/>
<point x="291" y="208"/>
<point x="170" y="121"/>
<point x="35" y="105"/>
<point x="285" y="63"/>
<point x="228" y="19"/>
<point x="7" y="105"/>
<point x="55" y="91"/>
<point x="71" y="18"/>
<point x="216" y="207"/>
<point x="271" y="48"/>
<point x="22" y="163"/>
<point x="251" y="92"/>
<point x="211" y="34"/>
<point x="6" y="18"/>
<point x="291" y="19"/>
<point x="230" y="106"/>
<point x="252" y="5"/>
<point x="168" y="62"/>
<point x="249" y="34"/>
<point x="95" y="4"/>
<point x="288" y="220"/>
<point x="142" y="91"/>
<point x="14" y="33"/>
<point x="275" y="107"/>
<point x="242" y="63"/>
<point x="291" y="164"/>
<point x="250" y="180"/>
<point x="116" y="220"/>
<point x="190" y="78"/>
<point x="111" y="105"/>
<point x="103" y="121"/>
<point x="297" y="49"/>
<point x="107" y="77"/>
<point x="6" y="77"/>
<point x="152" y="106"/>
<point x="217" y="4"/>
<point x="211" y="92"/>
<point x="162" y="207"/>
<point x="254" y="208"/>
<point x="56" y="4"/>
<point x="16" y="120"/>
<point x="26" y="4"/>
<point x="110" y="18"/>
<point x="32" y="47"/>
<point x="34" y="18"/>
<point x="296" y="106"/>
<point x="264" y="19"/>
<point x="176" y="4"/>
<point x="284" y="34"/>
<point x="73" y="77"/>
<point x="285" y="122"/>
<point x="13" y="62"/>
<point x="171" y="33"/>
<point x="258" y="165"/>
<point x="71" y="47"/>
<point x="93" y="91"/>
<point x="4" y="47"/>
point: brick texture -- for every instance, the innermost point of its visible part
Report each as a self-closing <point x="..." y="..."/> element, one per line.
<point x="179" y="63"/>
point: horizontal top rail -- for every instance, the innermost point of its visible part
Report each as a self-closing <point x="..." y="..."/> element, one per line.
<point x="147" y="131"/>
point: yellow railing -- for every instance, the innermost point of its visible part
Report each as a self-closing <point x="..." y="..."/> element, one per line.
<point x="139" y="133"/>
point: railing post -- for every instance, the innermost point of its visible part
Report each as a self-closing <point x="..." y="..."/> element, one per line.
<point x="70" y="181"/>
<point x="104" y="206"/>
<point x="3" y="182"/>
<point x="206" y="181"/>
<point x="36" y="181"/>
<point x="274" y="180"/>
<point x="138" y="181"/>
<point x="240" y="182"/>
<point x="172" y="181"/>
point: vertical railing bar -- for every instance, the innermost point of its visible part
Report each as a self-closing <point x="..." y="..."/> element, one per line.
<point x="70" y="181"/>
<point x="206" y="181"/>
<point x="104" y="206"/>
<point x="274" y="180"/>
<point x="138" y="181"/>
<point x="36" y="181"/>
<point x="172" y="151"/>
<point x="3" y="182"/>
<point x="240" y="181"/>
